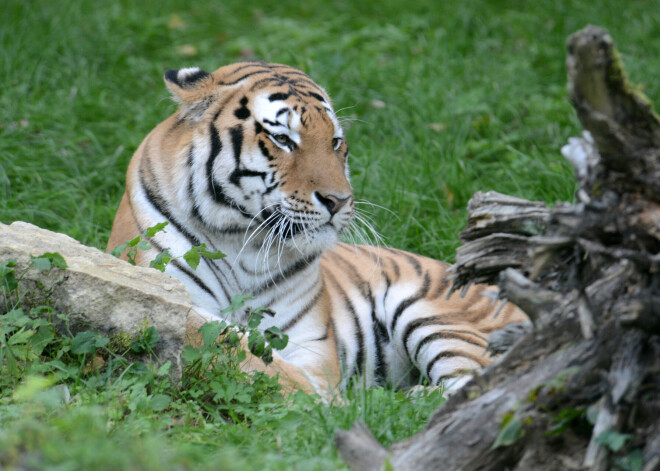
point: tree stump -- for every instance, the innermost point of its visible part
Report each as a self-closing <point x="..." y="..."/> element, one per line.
<point x="581" y="390"/>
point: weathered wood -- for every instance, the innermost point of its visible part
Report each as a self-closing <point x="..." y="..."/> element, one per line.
<point x="588" y="275"/>
<point x="493" y="212"/>
<point x="358" y="447"/>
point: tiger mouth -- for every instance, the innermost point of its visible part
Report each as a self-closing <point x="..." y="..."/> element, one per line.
<point x="285" y="228"/>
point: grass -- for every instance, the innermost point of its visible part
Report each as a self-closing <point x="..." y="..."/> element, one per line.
<point x="474" y="96"/>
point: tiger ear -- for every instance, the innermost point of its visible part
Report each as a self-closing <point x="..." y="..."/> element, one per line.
<point x="192" y="88"/>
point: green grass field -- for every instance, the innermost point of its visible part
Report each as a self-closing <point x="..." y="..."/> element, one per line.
<point x="440" y="99"/>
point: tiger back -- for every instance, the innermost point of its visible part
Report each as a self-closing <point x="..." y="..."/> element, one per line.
<point x="255" y="163"/>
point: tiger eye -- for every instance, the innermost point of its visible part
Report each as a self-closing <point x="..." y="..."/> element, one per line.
<point x="282" y="138"/>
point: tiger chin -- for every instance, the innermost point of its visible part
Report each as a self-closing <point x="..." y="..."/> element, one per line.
<point x="255" y="163"/>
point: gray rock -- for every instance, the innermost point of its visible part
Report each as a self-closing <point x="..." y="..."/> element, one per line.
<point x="100" y="292"/>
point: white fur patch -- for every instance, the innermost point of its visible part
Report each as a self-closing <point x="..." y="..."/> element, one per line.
<point x="186" y="72"/>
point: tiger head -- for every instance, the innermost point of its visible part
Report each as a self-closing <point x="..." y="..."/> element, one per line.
<point x="266" y="151"/>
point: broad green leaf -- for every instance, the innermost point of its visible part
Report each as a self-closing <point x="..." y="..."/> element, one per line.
<point x="16" y="318"/>
<point x="256" y="343"/>
<point x="233" y="338"/>
<point x="7" y="266"/>
<point x="41" y="310"/>
<point x="43" y="336"/>
<point x="254" y="320"/>
<point x="159" y="402"/>
<point x="613" y="440"/>
<point x="212" y="255"/>
<point x="87" y="342"/>
<point x="41" y="263"/>
<point x="134" y="242"/>
<point x="7" y="355"/>
<point x="633" y="461"/>
<point x="237" y="303"/>
<point x="210" y="332"/>
<point x="143" y="245"/>
<point x="276" y="338"/>
<point x="190" y="354"/>
<point x="563" y="420"/>
<point x="21" y="337"/>
<point x="48" y="260"/>
<point x="509" y="433"/>
<point x="7" y="277"/>
<point x="153" y="230"/>
<point x="192" y="258"/>
<point x="118" y="250"/>
<point x="161" y="261"/>
<point x="164" y="369"/>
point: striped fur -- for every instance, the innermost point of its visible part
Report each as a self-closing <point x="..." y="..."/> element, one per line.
<point x="254" y="163"/>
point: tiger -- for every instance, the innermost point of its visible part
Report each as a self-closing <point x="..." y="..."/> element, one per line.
<point x="254" y="162"/>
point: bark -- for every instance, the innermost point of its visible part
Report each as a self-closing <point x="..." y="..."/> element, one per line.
<point x="582" y="390"/>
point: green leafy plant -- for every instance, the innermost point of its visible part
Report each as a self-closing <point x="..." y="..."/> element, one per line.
<point x="633" y="461"/>
<point x="131" y="247"/>
<point x="192" y="257"/>
<point x="511" y="429"/>
<point x="566" y="418"/>
<point x="212" y="372"/>
<point x="25" y="337"/>
<point x="613" y="440"/>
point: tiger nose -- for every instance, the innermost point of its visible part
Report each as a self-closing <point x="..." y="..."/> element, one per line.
<point x="331" y="202"/>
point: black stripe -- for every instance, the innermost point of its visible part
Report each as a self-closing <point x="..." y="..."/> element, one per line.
<point x="214" y="187"/>
<point x="216" y="272"/>
<point x="362" y="285"/>
<point x="247" y="75"/>
<point x="446" y="335"/>
<point x="304" y="311"/>
<point x="317" y="96"/>
<point x="441" y="289"/>
<point x="382" y="337"/>
<point x="414" y="262"/>
<point x="161" y="206"/>
<point x="237" y="174"/>
<point x="322" y="337"/>
<point x="388" y="284"/>
<point x="291" y="270"/>
<point x="395" y="266"/>
<point x="418" y="323"/>
<point x="195" y="207"/>
<point x="264" y="150"/>
<point x="406" y="303"/>
<point x="439" y="356"/>
<point x="236" y="134"/>
<point x="278" y="96"/>
<point x="233" y="229"/>
<point x="272" y="123"/>
<point x="359" y="366"/>
<point x="216" y="148"/>
<point x="185" y="271"/>
<point x="412" y="259"/>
